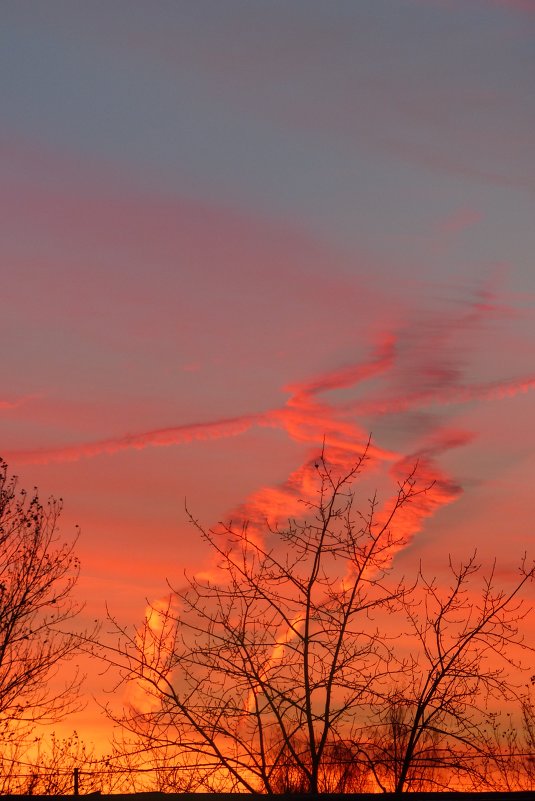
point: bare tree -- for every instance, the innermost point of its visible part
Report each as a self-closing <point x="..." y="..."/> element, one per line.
<point x="55" y="766"/>
<point x="37" y="576"/>
<point x="513" y="753"/>
<point x="463" y="640"/>
<point x="142" y="764"/>
<point x="261" y="671"/>
<point x="278" y="673"/>
<point x="342" y="770"/>
<point x="527" y="750"/>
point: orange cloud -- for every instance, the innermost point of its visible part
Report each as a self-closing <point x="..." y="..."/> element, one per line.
<point x="415" y="369"/>
<point x="154" y="641"/>
<point x="13" y="404"/>
<point x="423" y="368"/>
<point x="433" y="378"/>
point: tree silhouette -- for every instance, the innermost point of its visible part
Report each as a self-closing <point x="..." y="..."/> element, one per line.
<point x="263" y="669"/>
<point x="463" y="637"/>
<point x="275" y="671"/>
<point x="37" y="576"/>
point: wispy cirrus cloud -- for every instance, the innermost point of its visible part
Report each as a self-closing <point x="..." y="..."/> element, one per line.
<point x="524" y="6"/>
<point x="460" y="220"/>
<point x="414" y="368"/>
<point x="161" y="437"/>
<point x="417" y="369"/>
<point x="444" y="396"/>
<point x="14" y="403"/>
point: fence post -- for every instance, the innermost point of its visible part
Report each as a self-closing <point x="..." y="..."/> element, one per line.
<point x="75" y="777"/>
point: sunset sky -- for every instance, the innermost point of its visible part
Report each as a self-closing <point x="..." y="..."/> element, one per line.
<point x="232" y="228"/>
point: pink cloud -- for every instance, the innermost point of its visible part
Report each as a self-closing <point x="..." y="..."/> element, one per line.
<point x="429" y="155"/>
<point x="460" y="220"/>
<point x="433" y="378"/>
<point x="351" y="375"/>
<point x="4" y="404"/>
<point x="308" y="420"/>
<point x="16" y="403"/>
<point x="422" y="366"/>
<point x="81" y="237"/>
<point x="163" y="437"/>
<point x="525" y="6"/>
<point x="159" y="226"/>
<point x="443" y="396"/>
